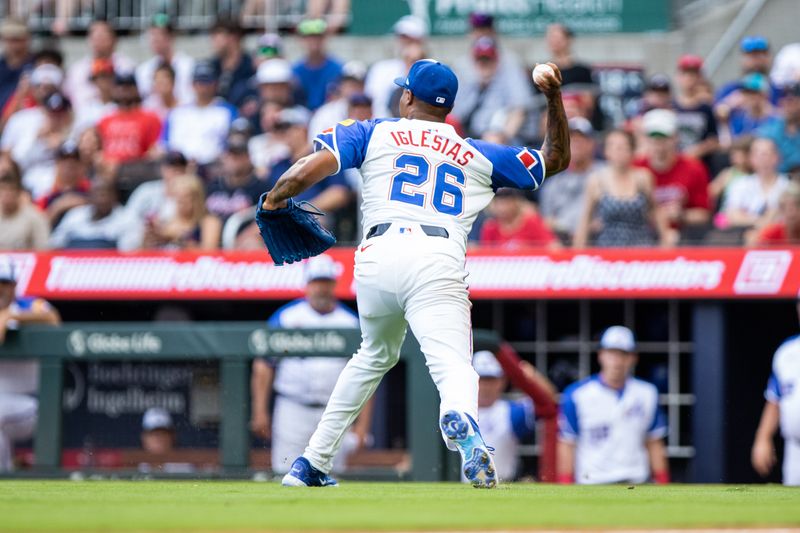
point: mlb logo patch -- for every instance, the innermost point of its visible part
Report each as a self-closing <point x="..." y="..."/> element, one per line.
<point x="440" y="99"/>
<point x="405" y="230"/>
<point x="527" y="159"/>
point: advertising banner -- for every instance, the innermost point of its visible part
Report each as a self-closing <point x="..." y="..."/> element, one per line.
<point x="690" y="273"/>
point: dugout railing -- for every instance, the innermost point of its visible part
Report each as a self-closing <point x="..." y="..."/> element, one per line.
<point x="234" y="345"/>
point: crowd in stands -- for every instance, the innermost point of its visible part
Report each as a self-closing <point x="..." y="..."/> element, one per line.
<point x="174" y="152"/>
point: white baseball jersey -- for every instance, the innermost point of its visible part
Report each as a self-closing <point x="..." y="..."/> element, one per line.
<point x="415" y="173"/>
<point x="198" y="132"/>
<point x="609" y="428"/>
<point x="309" y="380"/>
<point x="504" y="425"/>
<point x="304" y="384"/>
<point x="424" y="172"/>
<point x="21" y="376"/>
<point x="783" y="389"/>
<point x="19" y="381"/>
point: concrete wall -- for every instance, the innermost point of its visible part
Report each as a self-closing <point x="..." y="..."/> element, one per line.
<point x="658" y="51"/>
<point x="776" y="21"/>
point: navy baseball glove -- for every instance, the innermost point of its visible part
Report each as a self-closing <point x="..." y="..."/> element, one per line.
<point x="292" y="233"/>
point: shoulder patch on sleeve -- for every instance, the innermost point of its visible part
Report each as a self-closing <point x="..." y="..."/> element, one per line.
<point x="513" y="166"/>
<point x="527" y="159"/>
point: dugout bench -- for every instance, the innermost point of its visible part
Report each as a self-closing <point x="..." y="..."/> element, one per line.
<point x="234" y="345"/>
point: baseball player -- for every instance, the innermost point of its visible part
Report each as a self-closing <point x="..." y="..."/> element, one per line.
<point x="19" y="380"/>
<point x="302" y="385"/>
<point x="504" y="423"/>
<point x="782" y="409"/>
<point x="611" y="428"/>
<point x="423" y="187"/>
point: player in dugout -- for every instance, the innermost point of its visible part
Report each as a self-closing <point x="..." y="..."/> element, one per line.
<point x="19" y="380"/>
<point x="781" y="410"/>
<point x="302" y="385"/>
<point x="611" y="428"/>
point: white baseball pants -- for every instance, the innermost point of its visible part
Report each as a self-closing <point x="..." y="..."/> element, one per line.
<point x="18" y="415"/>
<point x="404" y="279"/>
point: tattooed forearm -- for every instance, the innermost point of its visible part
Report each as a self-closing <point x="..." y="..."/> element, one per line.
<point x="290" y="184"/>
<point x="556" y="141"/>
<point x="303" y="174"/>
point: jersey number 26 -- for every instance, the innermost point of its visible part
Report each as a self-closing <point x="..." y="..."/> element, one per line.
<point x="411" y="184"/>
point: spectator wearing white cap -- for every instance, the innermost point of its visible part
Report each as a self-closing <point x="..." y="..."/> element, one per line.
<point x="302" y="386"/>
<point x="36" y="85"/>
<point x="276" y="82"/>
<point x="158" y="431"/>
<point x="411" y="33"/>
<point x="505" y="423"/>
<point x="32" y="136"/>
<point x="19" y="380"/>
<point x="681" y="182"/>
<point x="25" y="96"/>
<point x="786" y="67"/>
<point x="611" y="428"/>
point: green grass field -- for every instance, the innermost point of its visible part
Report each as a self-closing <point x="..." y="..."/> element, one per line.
<point x="209" y="506"/>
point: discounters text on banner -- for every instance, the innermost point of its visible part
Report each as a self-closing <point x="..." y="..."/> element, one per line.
<point x="519" y="274"/>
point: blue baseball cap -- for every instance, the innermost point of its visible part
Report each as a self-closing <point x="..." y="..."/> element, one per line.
<point x="755" y="82"/>
<point x="754" y="43"/>
<point x="431" y="82"/>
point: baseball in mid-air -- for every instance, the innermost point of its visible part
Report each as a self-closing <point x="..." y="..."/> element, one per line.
<point x="542" y="72"/>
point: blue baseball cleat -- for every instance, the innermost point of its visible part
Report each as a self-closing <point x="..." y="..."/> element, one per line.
<point x="303" y="474"/>
<point x="476" y="460"/>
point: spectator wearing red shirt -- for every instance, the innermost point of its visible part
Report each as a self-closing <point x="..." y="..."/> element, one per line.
<point x="70" y="189"/>
<point x="515" y="223"/>
<point x="681" y="190"/>
<point x="129" y="133"/>
<point x="787" y="230"/>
